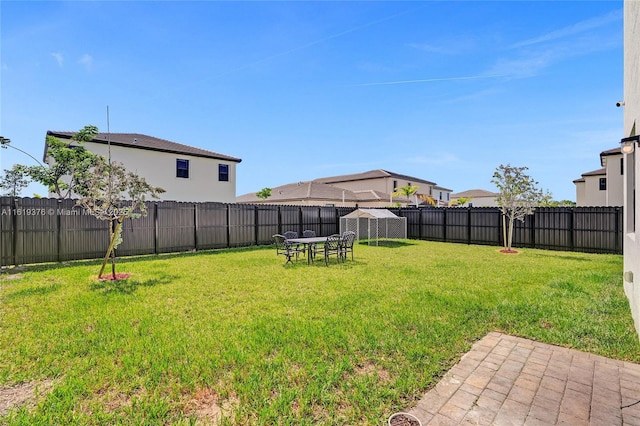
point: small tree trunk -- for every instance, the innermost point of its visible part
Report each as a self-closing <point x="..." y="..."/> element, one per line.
<point x="114" y="234"/>
<point x="510" y="232"/>
<point x="504" y="231"/>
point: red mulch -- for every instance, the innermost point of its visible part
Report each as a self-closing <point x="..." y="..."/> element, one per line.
<point x="118" y="277"/>
<point x="505" y="251"/>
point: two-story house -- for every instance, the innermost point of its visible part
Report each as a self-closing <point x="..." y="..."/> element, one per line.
<point x="603" y="186"/>
<point x="374" y="188"/>
<point x="476" y="198"/>
<point x="630" y="148"/>
<point x="186" y="173"/>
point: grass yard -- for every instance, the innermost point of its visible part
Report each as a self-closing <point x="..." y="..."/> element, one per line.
<point x="235" y="335"/>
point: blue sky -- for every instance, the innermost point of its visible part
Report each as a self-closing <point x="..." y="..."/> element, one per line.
<point x="444" y="91"/>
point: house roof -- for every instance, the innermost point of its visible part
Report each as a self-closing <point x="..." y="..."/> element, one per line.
<point x="599" y="172"/>
<point x="613" y="151"/>
<point x="608" y="153"/>
<point x="474" y="193"/>
<point x="140" y="141"/>
<point x="371" y="174"/>
<point x="313" y="190"/>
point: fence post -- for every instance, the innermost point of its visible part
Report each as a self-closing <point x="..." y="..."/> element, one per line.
<point x="58" y="230"/>
<point x="444" y="224"/>
<point x="571" y="226"/>
<point x="14" y="224"/>
<point x="195" y="226"/>
<point x="155" y="228"/>
<point x="617" y="230"/>
<point x="228" y="225"/>
<point x="533" y="229"/>
<point x="468" y="225"/>
<point x="255" y="224"/>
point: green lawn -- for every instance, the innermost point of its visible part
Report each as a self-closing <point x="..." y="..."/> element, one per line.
<point x="235" y="331"/>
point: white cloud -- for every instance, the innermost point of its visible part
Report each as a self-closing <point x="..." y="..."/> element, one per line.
<point x="87" y="61"/>
<point x="571" y="30"/>
<point x="59" y="58"/>
<point x="450" y="46"/>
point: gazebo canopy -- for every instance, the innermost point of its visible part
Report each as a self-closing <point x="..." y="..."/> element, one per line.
<point x="370" y="214"/>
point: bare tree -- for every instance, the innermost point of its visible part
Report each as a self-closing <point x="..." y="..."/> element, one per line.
<point x="112" y="193"/>
<point x="517" y="198"/>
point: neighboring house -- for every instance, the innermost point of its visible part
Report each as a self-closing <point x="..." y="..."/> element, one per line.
<point x="368" y="189"/>
<point x="629" y="145"/>
<point x="602" y="187"/>
<point x="478" y="198"/>
<point x="441" y="196"/>
<point x="313" y="193"/>
<point x="186" y="173"/>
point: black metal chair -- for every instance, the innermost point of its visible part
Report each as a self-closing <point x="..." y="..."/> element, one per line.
<point x="308" y="233"/>
<point x="290" y="234"/>
<point x="286" y="249"/>
<point x="331" y="247"/>
<point x="346" y="244"/>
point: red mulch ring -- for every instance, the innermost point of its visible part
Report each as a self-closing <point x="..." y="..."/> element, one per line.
<point x="505" y="251"/>
<point x="118" y="277"/>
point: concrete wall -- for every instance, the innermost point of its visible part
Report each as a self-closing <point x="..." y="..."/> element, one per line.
<point x="631" y="219"/>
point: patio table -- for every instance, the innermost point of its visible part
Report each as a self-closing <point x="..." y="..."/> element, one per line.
<point x="308" y="243"/>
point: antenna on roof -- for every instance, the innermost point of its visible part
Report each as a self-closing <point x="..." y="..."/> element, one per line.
<point x="108" y="136"/>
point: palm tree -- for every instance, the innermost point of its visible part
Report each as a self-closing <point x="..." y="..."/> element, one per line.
<point x="407" y="191"/>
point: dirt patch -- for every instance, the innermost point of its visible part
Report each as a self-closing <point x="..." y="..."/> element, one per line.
<point x="209" y="408"/>
<point x="23" y="394"/>
<point x="505" y="251"/>
<point x="371" y="369"/>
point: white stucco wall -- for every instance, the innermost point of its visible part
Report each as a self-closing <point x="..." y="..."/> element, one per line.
<point x="615" y="182"/>
<point x="159" y="169"/>
<point x="593" y="195"/>
<point x="631" y="113"/>
<point x="580" y="193"/>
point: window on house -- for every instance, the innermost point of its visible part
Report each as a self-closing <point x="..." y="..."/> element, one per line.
<point x="603" y="184"/>
<point x="182" y="168"/>
<point x="440" y="196"/>
<point x="223" y="172"/>
<point x="622" y="166"/>
<point x="395" y="184"/>
<point x="448" y="196"/>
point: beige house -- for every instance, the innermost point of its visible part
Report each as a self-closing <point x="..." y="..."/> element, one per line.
<point x="369" y="189"/>
<point x="602" y="187"/>
<point x="478" y="198"/>
<point x="630" y="148"/>
<point x="186" y="173"/>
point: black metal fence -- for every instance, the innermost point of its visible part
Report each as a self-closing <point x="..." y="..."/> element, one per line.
<point x="35" y="230"/>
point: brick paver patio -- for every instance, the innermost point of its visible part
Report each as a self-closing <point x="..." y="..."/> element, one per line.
<point x="506" y="380"/>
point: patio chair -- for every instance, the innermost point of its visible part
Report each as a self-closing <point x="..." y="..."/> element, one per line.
<point x="346" y="244"/>
<point x="290" y="234"/>
<point x="308" y="233"/>
<point x="331" y="247"/>
<point x="285" y="248"/>
<point x="293" y="234"/>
